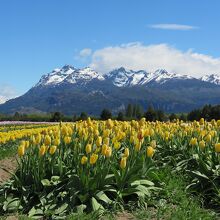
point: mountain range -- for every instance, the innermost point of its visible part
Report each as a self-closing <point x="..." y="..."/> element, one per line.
<point x="72" y="90"/>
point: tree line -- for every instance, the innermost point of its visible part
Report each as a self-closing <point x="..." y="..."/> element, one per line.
<point x="132" y="111"/>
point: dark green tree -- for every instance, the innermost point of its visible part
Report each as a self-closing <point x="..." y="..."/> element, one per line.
<point x="16" y="116"/>
<point x="194" y="115"/>
<point x="56" y="117"/>
<point x="106" y="114"/>
<point x="173" y="117"/>
<point x="161" y="116"/>
<point x="83" y="116"/>
<point x="120" y="116"/>
<point x="129" y="111"/>
<point x="150" y="114"/>
<point x="139" y="112"/>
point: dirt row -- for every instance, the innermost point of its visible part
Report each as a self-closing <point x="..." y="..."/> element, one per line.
<point x="7" y="166"/>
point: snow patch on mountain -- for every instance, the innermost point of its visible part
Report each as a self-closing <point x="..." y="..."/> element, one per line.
<point x="69" y="74"/>
<point x="213" y="78"/>
<point x="120" y="77"/>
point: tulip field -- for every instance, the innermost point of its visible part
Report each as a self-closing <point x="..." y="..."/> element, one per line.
<point x="101" y="166"/>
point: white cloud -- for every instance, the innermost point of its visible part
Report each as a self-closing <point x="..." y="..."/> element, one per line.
<point x="178" y="27"/>
<point x="6" y="92"/>
<point x="85" y="52"/>
<point x="137" y="56"/>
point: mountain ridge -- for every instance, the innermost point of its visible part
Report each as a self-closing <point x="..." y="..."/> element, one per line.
<point x="119" y="76"/>
<point x="72" y="90"/>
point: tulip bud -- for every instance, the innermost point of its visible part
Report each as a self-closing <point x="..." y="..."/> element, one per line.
<point x="88" y="148"/>
<point x="202" y="144"/>
<point x="93" y="158"/>
<point x="150" y="151"/>
<point x="52" y="149"/>
<point x="42" y="150"/>
<point x="47" y="140"/>
<point x="108" y="152"/>
<point x="126" y="152"/>
<point x="123" y="162"/>
<point x="84" y="160"/>
<point x="21" y="150"/>
<point x="217" y="147"/>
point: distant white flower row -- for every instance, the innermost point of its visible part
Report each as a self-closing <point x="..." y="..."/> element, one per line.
<point x="23" y="122"/>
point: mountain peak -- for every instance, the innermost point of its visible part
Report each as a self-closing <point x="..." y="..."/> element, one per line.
<point x="161" y="71"/>
<point x="122" y="77"/>
<point x="67" y="67"/>
<point x="68" y="74"/>
<point x="212" y="78"/>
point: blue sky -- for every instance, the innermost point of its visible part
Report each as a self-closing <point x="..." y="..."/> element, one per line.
<point x="38" y="36"/>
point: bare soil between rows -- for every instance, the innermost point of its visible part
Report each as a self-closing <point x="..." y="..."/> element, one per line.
<point x="7" y="166"/>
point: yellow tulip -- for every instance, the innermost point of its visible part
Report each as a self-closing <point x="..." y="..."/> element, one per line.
<point x="106" y="140"/>
<point x="142" y="121"/>
<point x="123" y="162"/>
<point x="208" y="138"/>
<point x="104" y="149"/>
<point x="138" y="146"/>
<point x="21" y="150"/>
<point x="67" y="140"/>
<point x="217" y="147"/>
<point x="33" y="140"/>
<point x="27" y="144"/>
<point x="193" y="141"/>
<point x="150" y="151"/>
<point x="88" y="148"/>
<point x="57" y="141"/>
<point x="126" y="152"/>
<point x="110" y="123"/>
<point x="84" y="160"/>
<point x="42" y="150"/>
<point x="108" y="152"/>
<point x="96" y="132"/>
<point x="99" y="141"/>
<point x="106" y="133"/>
<point x="152" y="132"/>
<point x="202" y="144"/>
<point x="93" y="158"/>
<point x="64" y="130"/>
<point x="53" y="149"/>
<point x="117" y="145"/>
<point x="201" y="121"/>
<point x="47" y="140"/>
<point x="38" y="139"/>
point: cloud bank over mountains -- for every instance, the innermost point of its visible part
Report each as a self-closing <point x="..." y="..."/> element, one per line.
<point x="138" y="56"/>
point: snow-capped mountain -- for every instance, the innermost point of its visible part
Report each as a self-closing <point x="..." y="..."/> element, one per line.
<point x="122" y="77"/>
<point x="69" y="74"/>
<point x="72" y="91"/>
<point x="213" y="78"/>
<point x="161" y="76"/>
